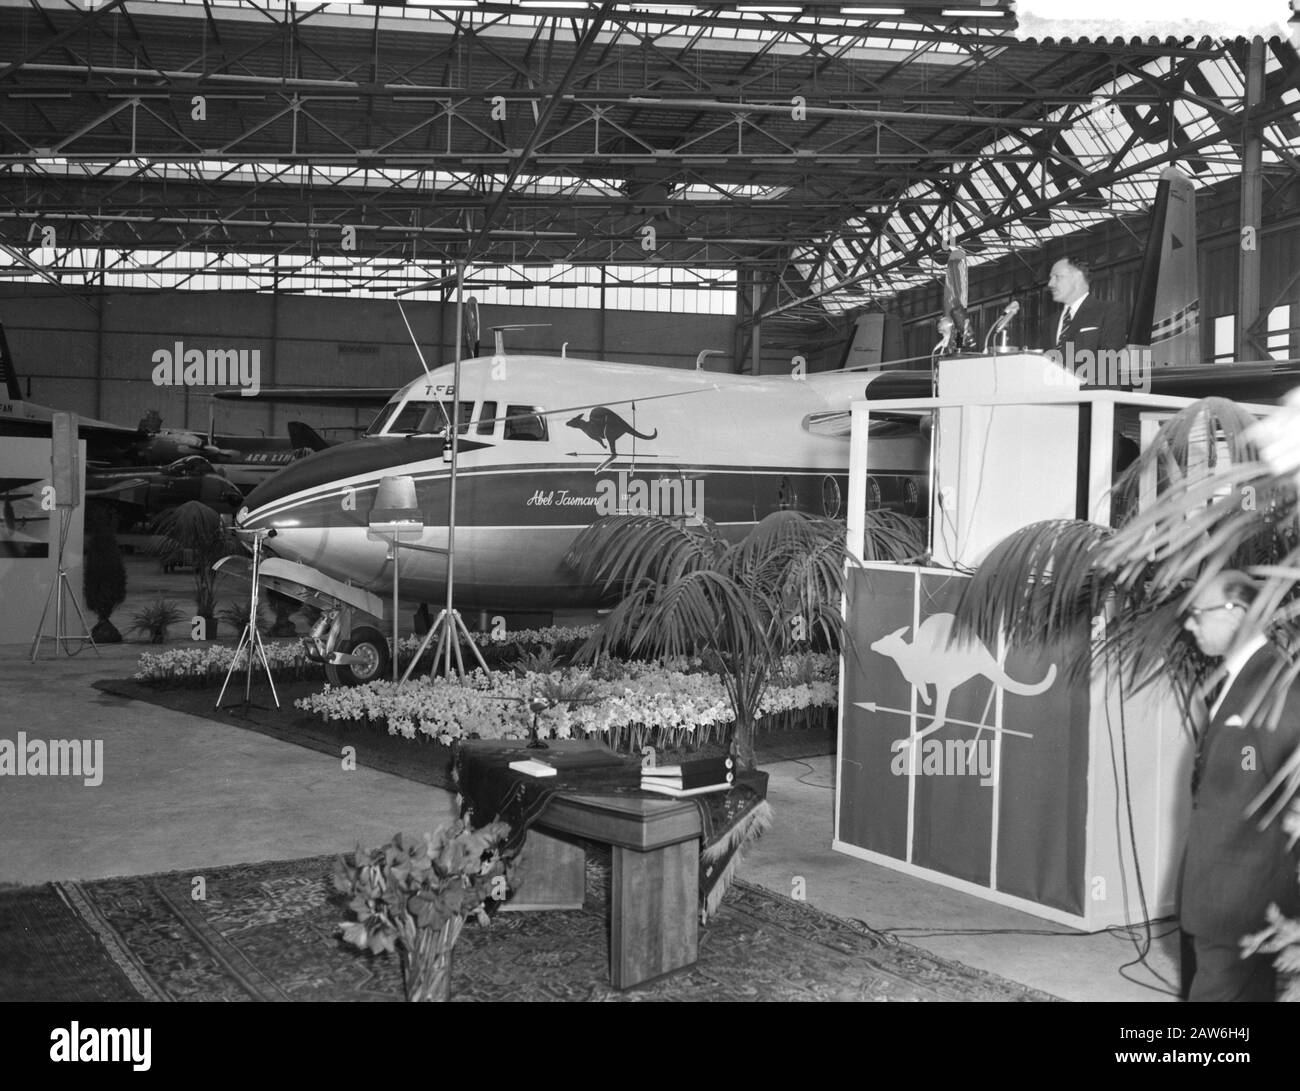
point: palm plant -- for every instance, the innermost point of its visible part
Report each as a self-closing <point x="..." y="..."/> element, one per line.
<point x="235" y="614"/>
<point x="687" y="591"/>
<point x="155" y="619"/>
<point x="1209" y="503"/>
<point x="195" y="534"/>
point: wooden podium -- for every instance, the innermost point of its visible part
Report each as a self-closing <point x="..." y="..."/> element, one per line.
<point x="983" y="768"/>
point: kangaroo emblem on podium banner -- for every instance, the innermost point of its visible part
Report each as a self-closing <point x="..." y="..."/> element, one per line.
<point x="934" y="659"/>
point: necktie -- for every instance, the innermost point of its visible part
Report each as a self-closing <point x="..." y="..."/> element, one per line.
<point x="1067" y="316"/>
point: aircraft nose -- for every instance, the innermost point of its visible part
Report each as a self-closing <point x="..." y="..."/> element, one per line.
<point x="368" y="455"/>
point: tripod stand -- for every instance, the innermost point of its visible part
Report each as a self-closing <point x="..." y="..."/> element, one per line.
<point x="251" y="637"/>
<point x="58" y="589"/>
<point x="449" y="626"/>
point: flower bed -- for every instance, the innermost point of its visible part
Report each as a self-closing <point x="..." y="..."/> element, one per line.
<point x="202" y="664"/>
<point x="207" y="664"/>
<point x="631" y="704"/>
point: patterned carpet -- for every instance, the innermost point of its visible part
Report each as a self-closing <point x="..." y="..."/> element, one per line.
<point x="267" y="932"/>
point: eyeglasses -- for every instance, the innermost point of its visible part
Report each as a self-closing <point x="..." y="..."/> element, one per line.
<point x="1195" y="612"/>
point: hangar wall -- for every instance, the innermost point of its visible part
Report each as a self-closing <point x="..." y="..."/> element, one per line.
<point x="95" y="353"/>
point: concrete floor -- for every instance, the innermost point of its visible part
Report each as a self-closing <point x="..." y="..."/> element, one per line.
<point x="182" y="792"/>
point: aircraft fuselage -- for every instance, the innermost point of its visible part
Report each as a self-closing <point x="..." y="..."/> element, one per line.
<point x="548" y="445"/>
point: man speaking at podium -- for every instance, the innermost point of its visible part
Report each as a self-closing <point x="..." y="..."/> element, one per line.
<point x="1085" y="322"/>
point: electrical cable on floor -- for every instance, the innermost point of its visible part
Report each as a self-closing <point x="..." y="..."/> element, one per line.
<point x="1142" y="946"/>
<point x="921" y="933"/>
<point x="811" y="770"/>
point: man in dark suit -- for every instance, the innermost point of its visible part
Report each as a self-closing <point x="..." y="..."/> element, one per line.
<point x="1232" y="870"/>
<point x="1085" y="323"/>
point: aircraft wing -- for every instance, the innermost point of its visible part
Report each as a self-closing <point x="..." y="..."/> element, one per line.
<point x="838" y="423"/>
<point x="359" y="396"/>
<point x="1245" y="381"/>
<point x="97" y="488"/>
<point x="86" y="426"/>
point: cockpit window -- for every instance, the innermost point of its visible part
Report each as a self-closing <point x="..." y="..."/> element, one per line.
<point x="383" y="417"/>
<point x="430" y="417"/>
<point x="190" y="466"/>
<point x="525" y="422"/>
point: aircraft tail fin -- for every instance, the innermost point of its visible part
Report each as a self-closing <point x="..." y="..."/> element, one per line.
<point x="7" y="369"/>
<point x="304" y="435"/>
<point x="1166" y="312"/>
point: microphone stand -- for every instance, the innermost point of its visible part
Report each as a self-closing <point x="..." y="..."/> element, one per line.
<point x="1000" y="327"/>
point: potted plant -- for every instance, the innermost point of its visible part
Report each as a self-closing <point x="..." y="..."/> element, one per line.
<point x="195" y="534"/>
<point x="415" y="895"/>
<point x="104" y="574"/>
<point x="155" y="619"/>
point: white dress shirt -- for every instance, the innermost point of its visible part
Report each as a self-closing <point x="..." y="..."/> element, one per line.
<point x="1232" y="665"/>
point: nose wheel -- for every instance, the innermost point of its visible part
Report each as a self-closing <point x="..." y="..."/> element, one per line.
<point x="370" y="659"/>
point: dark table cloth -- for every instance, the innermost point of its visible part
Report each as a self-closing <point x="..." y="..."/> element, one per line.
<point x="491" y="790"/>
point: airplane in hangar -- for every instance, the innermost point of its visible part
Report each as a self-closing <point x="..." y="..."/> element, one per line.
<point x="139" y="494"/>
<point x="19" y="510"/>
<point x="146" y="469"/>
<point x="545" y="445"/>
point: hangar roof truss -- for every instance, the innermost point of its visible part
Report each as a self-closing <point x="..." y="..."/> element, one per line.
<point x="365" y="148"/>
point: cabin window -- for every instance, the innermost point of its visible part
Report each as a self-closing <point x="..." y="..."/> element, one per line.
<point x="487" y="422"/>
<point x="525" y="422"/>
<point x="438" y="416"/>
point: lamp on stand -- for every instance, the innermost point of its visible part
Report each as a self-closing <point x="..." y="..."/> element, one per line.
<point x="396" y="518"/>
<point x="65" y="478"/>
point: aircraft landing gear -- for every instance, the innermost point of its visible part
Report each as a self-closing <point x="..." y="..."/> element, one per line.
<point x="351" y="654"/>
<point x="370" y="659"/>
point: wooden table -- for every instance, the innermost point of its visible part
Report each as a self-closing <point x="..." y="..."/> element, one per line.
<point x="654" y="895"/>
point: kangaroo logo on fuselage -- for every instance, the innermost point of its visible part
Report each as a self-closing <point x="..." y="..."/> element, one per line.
<point x="930" y="659"/>
<point x="606" y="427"/>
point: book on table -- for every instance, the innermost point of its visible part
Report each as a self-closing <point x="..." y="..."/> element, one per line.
<point x="533" y="768"/>
<point x="700" y="773"/>
<point x="593" y="758"/>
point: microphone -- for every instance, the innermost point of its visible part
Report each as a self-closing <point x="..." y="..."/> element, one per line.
<point x="1012" y="309"/>
<point x="1010" y="312"/>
